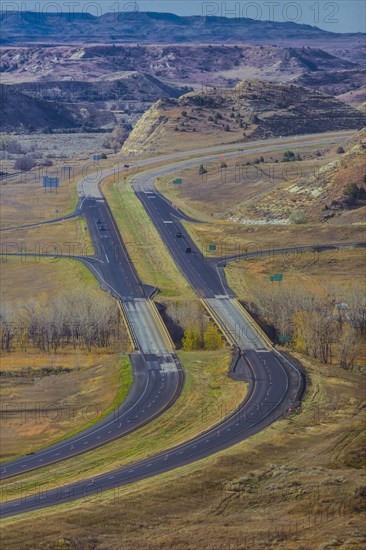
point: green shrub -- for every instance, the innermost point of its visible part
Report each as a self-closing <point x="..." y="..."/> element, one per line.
<point x="298" y="216"/>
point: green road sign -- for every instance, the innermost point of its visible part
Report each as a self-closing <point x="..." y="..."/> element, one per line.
<point x="178" y="181"/>
<point x="284" y="339"/>
<point x="212" y="247"/>
<point x="276" y="277"/>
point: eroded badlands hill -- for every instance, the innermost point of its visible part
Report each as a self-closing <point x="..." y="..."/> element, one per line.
<point x="251" y="110"/>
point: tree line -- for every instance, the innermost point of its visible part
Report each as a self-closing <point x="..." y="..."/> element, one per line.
<point x="80" y="320"/>
<point x="196" y="331"/>
<point x="329" y="325"/>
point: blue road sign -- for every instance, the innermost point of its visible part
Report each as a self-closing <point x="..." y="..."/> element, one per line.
<point x="50" y="182"/>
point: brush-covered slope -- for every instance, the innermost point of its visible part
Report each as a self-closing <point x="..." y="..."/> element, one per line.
<point x="324" y="194"/>
<point x="251" y="110"/>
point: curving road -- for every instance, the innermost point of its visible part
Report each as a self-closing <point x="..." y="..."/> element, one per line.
<point x="275" y="384"/>
<point x="158" y="377"/>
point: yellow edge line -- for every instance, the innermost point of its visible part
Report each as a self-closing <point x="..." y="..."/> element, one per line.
<point x="161" y="324"/>
<point x="212" y="314"/>
<point x="252" y="322"/>
<point x="129" y="332"/>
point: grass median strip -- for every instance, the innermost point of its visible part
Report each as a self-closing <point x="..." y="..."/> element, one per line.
<point x="151" y="259"/>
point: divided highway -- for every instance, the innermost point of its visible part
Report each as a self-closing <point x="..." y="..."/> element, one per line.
<point x="158" y="377"/>
<point x="275" y="384"/>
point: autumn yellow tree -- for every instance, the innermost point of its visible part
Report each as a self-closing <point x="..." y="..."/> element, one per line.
<point x="212" y="338"/>
<point x="191" y="339"/>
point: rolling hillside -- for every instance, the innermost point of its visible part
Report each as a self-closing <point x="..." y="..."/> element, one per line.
<point x="251" y="110"/>
<point x="183" y="64"/>
<point x="131" y="86"/>
<point x="23" y="113"/>
<point x="321" y="192"/>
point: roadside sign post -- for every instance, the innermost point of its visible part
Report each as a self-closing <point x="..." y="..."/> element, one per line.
<point x="67" y="172"/>
<point x="50" y="183"/>
<point x="177" y="182"/>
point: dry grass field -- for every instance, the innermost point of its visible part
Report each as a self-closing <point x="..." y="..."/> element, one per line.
<point x="22" y="278"/>
<point x="299" y="485"/>
<point x="23" y="200"/>
<point x="316" y="273"/>
<point x="232" y="238"/>
<point x="46" y="397"/>
<point x="59" y="389"/>
<point x="68" y="237"/>
<point x="313" y="270"/>
<point x="230" y="184"/>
